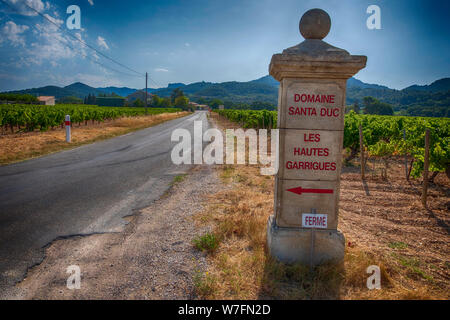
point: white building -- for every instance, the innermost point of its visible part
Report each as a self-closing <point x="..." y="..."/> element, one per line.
<point x="47" y="100"/>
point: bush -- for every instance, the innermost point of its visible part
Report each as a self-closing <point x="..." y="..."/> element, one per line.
<point x="207" y="242"/>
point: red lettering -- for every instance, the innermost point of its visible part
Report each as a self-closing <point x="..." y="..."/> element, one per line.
<point x="312" y="137"/>
<point x="329" y="112"/>
<point x="302" y="111"/>
<point x="314" y="98"/>
<point x="291" y="111"/>
<point x="311" y="165"/>
<point x="336" y="112"/>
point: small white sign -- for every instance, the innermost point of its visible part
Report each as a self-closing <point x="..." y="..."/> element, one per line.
<point x="311" y="220"/>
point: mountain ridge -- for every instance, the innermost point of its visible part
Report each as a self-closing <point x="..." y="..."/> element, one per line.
<point x="265" y="89"/>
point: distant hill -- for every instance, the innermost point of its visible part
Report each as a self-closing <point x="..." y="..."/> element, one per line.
<point x="269" y="80"/>
<point x="187" y="89"/>
<point x="137" y="94"/>
<point x="263" y="89"/>
<point x="435" y="97"/>
<point x="355" y="83"/>
<point x="175" y="85"/>
<point x="438" y="85"/>
<point x="81" y="89"/>
<point x="58" y="92"/>
<point x="122" y="91"/>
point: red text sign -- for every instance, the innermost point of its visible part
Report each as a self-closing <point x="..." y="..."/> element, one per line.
<point x="311" y="220"/>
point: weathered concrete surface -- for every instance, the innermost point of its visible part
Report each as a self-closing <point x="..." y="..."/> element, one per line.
<point x="315" y="59"/>
<point x="289" y="244"/>
<point x="315" y="24"/>
<point x="299" y="114"/>
<point x="308" y="159"/>
<point x="311" y="109"/>
<point x="290" y="206"/>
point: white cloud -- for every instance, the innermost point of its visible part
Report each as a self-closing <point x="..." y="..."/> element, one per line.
<point x="13" y="33"/>
<point x="187" y="44"/>
<point x="161" y="70"/>
<point x="59" y="22"/>
<point x="50" y="44"/>
<point x="102" y="43"/>
<point x="91" y="2"/>
<point x="23" y="7"/>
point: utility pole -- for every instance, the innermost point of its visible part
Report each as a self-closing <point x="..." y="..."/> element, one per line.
<point x="146" y="99"/>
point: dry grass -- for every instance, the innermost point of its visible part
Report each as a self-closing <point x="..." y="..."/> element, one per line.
<point x="240" y="268"/>
<point x="22" y="146"/>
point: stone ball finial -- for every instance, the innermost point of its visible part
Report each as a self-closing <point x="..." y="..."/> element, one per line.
<point x="315" y="24"/>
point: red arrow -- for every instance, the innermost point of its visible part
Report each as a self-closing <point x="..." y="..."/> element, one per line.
<point x="300" y="190"/>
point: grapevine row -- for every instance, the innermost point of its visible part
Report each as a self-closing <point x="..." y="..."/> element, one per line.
<point x="31" y="117"/>
<point x="383" y="136"/>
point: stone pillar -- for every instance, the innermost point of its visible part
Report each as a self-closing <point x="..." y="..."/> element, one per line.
<point x="311" y="109"/>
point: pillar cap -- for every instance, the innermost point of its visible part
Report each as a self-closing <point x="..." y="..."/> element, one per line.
<point x="315" y="24"/>
<point x="315" y="58"/>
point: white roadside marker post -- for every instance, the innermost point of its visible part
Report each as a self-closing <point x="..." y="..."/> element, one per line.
<point x="68" y="133"/>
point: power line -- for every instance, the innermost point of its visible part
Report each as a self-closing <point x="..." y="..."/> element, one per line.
<point x="81" y="53"/>
<point x="76" y="38"/>
<point x="87" y="45"/>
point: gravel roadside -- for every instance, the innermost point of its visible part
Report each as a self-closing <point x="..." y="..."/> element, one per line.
<point x="153" y="258"/>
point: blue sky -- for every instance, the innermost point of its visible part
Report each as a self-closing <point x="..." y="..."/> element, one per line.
<point x="216" y="41"/>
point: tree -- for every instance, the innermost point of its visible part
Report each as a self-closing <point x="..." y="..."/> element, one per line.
<point x="182" y="102"/>
<point x="138" y="103"/>
<point x="216" y="103"/>
<point x="156" y="101"/>
<point x="356" y="107"/>
<point x="90" y="99"/>
<point x="166" y="103"/>
<point x="374" y="106"/>
<point x="70" y="100"/>
<point x="177" y="92"/>
<point x="201" y="100"/>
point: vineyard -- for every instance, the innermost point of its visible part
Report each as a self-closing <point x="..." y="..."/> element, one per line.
<point x="23" y="117"/>
<point x="262" y="119"/>
<point x="384" y="136"/>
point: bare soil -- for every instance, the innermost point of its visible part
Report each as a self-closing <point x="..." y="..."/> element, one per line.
<point x="382" y="219"/>
<point x="386" y="217"/>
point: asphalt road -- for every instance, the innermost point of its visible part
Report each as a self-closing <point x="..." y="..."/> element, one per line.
<point x="82" y="191"/>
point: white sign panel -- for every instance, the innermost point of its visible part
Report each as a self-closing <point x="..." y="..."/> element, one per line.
<point x="311" y="220"/>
